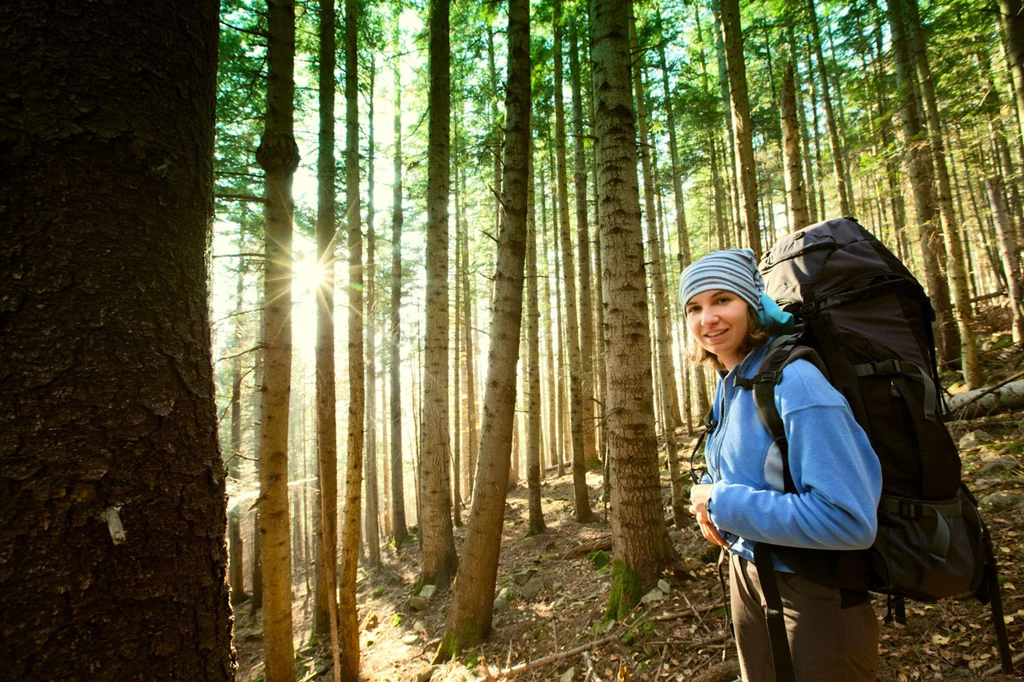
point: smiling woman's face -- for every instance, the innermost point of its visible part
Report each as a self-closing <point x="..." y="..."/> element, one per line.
<point x="718" y="320"/>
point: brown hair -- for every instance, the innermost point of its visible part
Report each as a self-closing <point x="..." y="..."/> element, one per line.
<point x="757" y="334"/>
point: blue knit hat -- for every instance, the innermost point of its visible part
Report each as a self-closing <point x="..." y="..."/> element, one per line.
<point x="733" y="270"/>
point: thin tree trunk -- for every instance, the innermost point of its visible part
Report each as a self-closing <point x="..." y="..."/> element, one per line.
<point x="397" y="217"/>
<point x="469" y="618"/>
<point x="457" y="347"/>
<point x="236" y="564"/>
<point x="279" y="157"/>
<point x="1013" y="31"/>
<point x="746" y="171"/>
<point x="549" y="343"/>
<point x="845" y="204"/>
<point x="792" y="166"/>
<point x="372" y="496"/>
<point x="534" y="442"/>
<point x="347" y="615"/>
<point x="639" y="539"/>
<point x="470" y="360"/>
<point x="258" y="383"/>
<point x="572" y="333"/>
<point x="326" y="421"/>
<point x="586" y="309"/>
<point x="1008" y="251"/>
<point x="439" y="557"/>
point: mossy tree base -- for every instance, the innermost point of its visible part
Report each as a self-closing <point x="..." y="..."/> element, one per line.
<point x="453" y="644"/>
<point x="626" y="591"/>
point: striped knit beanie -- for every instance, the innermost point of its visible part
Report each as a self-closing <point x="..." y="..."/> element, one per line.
<point x="733" y="270"/>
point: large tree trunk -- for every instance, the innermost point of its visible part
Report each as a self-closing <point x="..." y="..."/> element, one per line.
<point x="371" y="522"/>
<point x="112" y="519"/>
<point x="397" y="466"/>
<point x="279" y="157"/>
<point x="572" y="333"/>
<point x="664" y="365"/>
<point x="950" y="227"/>
<point x="845" y="202"/>
<point x="933" y="252"/>
<point x="469" y="618"/>
<point x="439" y="558"/>
<point x="347" y="617"/>
<point x="326" y="421"/>
<point x="792" y="166"/>
<point x="746" y="171"/>
<point x="639" y="538"/>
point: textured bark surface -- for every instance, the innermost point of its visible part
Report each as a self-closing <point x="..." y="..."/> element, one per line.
<point x="921" y="172"/>
<point x="347" y="616"/>
<point x="397" y="218"/>
<point x="279" y="156"/>
<point x="236" y="562"/>
<point x="792" y="166"/>
<point x="1007" y="254"/>
<point x="746" y="171"/>
<point x="534" y="442"/>
<point x="326" y="241"/>
<point x="372" y="498"/>
<point x="639" y="537"/>
<point x="1013" y="30"/>
<point x="107" y="416"/>
<point x="469" y="617"/>
<point x="572" y="329"/>
<point x="439" y="558"/>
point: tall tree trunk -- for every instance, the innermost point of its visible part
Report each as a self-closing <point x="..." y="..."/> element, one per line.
<point x="586" y="308"/>
<point x="572" y="332"/>
<point x="1013" y="31"/>
<point x="397" y="217"/>
<point x="257" y="428"/>
<point x="534" y="442"/>
<point x="457" y="347"/>
<point x="664" y="365"/>
<point x="236" y="563"/>
<point x="439" y="558"/>
<point x="639" y="539"/>
<point x="372" y="497"/>
<point x="792" y="166"/>
<point x="549" y="342"/>
<point x="279" y="156"/>
<point x="469" y="618"/>
<point x="957" y="273"/>
<point x="933" y="252"/>
<point x="746" y="171"/>
<point x="1007" y="251"/>
<point x="113" y="517"/>
<point x="845" y="204"/>
<point x="470" y="363"/>
<point x="347" y="616"/>
<point x="730" y="128"/>
<point x="326" y="421"/>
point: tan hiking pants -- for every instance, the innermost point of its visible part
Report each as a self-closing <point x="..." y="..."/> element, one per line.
<point x="828" y="643"/>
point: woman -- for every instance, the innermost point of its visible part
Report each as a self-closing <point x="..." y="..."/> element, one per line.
<point x="833" y="635"/>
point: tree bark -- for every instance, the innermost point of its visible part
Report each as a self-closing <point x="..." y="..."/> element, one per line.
<point x="746" y="171"/>
<point x="326" y="422"/>
<point x="236" y="563"/>
<point x="469" y="618"/>
<point x="113" y="515"/>
<point x="279" y="157"/>
<point x="933" y="252"/>
<point x="439" y="558"/>
<point x="586" y="308"/>
<point x="534" y="442"/>
<point x="397" y="466"/>
<point x="572" y="331"/>
<point x="470" y="361"/>
<point x="792" y="165"/>
<point x="1013" y="31"/>
<point x="347" y="616"/>
<point x="372" y="498"/>
<point x="1008" y="253"/>
<point x="957" y="273"/>
<point x="639" y="538"/>
<point x="549" y="343"/>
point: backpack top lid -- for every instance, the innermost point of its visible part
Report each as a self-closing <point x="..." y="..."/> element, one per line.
<point x="831" y="257"/>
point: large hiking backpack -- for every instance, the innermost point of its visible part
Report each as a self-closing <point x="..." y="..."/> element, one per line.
<point x="866" y="322"/>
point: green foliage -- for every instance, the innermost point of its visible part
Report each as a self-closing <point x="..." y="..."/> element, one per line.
<point x="598" y="559"/>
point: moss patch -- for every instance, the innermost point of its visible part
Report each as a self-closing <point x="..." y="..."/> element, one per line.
<point x="625" y="592"/>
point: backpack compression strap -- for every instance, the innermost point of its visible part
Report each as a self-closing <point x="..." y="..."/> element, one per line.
<point x="782" y="659"/>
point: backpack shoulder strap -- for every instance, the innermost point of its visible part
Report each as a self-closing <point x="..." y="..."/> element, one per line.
<point x="783" y="351"/>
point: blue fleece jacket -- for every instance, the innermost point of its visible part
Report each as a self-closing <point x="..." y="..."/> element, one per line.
<point x="835" y="470"/>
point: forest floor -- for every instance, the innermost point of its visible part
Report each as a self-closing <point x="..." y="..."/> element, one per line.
<point x="552" y="592"/>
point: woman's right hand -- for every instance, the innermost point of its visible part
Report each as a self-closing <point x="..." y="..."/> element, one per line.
<point x="699" y="496"/>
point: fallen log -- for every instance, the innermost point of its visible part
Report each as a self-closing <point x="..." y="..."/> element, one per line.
<point x="983" y="402"/>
